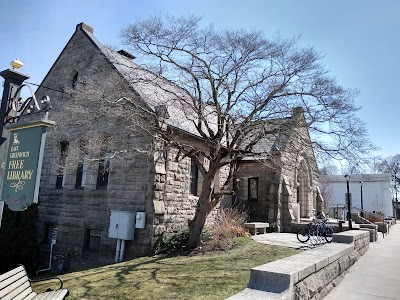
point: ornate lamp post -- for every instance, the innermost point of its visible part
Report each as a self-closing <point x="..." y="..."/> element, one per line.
<point x="12" y="106"/>
<point x="348" y="203"/>
<point x="395" y="201"/>
<point x="362" y="204"/>
<point x="25" y="147"/>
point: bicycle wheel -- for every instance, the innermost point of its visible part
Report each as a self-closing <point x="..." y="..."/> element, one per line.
<point x="303" y="235"/>
<point x="328" y="234"/>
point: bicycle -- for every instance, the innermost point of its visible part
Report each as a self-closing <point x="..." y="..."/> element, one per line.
<point x="317" y="231"/>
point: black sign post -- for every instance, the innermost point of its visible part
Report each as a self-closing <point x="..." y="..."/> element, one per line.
<point x="23" y="159"/>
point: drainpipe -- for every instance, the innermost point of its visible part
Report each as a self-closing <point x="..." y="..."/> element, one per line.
<point x="122" y="251"/>
<point x="117" y="250"/>
<point x="50" y="259"/>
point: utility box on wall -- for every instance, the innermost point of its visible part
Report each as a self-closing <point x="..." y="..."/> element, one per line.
<point x="140" y="220"/>
<point x="122" y="225"/>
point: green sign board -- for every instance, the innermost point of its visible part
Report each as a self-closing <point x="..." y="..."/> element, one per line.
<point x="24" y="164"/>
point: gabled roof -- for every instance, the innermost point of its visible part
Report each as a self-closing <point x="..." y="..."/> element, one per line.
<point x="165" y="99"/>
<point x="155" y="91"/>
<point x="275" y="135"/>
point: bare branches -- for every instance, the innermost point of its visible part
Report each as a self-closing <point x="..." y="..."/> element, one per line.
<point x="241" y="77"/>
<point x="217" y="96"/>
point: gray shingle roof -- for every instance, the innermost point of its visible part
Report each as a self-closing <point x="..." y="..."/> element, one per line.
<point x="159" y="93"/>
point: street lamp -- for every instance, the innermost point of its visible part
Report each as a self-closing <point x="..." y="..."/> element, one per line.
<point x="362" y="204"/>
<point x="26" y="138"/>
<point x="348" y="203"/>
<point x="11" y="103"/>
<point x="394" y="178"/>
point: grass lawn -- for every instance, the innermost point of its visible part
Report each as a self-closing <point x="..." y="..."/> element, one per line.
<point x="209" y="276"/>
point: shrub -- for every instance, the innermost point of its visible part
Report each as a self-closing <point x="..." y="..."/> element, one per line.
<point x="178" y="240"/>
<point x="229" y="223"/>
<point x="19" y="239"/>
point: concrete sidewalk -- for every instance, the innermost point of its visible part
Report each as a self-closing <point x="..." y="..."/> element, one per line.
<point x="281" y="239"/>
<point x="376" y="275"/>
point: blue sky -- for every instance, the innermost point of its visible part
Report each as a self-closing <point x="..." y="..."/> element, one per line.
<point x="360" y="39"/>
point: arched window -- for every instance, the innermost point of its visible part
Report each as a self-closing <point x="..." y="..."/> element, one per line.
<point x="304" y="190"/>
<point x="61" y="164"/>
<point x="73" y="78"/>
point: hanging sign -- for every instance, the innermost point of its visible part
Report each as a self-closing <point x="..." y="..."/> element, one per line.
<point x="24" y="164"/>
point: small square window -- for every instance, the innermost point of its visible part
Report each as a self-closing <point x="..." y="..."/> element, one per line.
<point x="59" y="181"/>
<point x="92" y="240"/>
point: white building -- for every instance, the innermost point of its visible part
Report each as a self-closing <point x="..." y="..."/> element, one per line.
<point x="376" y="191"/>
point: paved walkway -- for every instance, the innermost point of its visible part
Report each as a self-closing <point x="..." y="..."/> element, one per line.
<point x="281" y="239"/>
<point x="376" y="275"/>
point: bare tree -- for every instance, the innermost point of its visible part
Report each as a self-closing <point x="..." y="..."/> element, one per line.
<point x="229" y="87"/>
<point x="328" y="168"/>
<point x="378" y="205"/>
<point x="325" y="184"/>
<point x="391" y="165"/>
<point x="326" y="189"/>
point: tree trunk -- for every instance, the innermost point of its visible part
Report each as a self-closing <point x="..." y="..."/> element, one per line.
<point x="202" y="211"/>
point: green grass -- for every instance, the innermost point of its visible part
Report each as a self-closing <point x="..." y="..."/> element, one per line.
<point x="209" y="276"/>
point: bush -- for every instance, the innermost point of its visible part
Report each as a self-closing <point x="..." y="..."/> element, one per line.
<point x="178" y="240"/>
<point x="19" y="239"/>
<point x="229" y="223"/>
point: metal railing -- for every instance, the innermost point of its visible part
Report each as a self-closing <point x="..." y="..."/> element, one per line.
<point x="373" y="218"/>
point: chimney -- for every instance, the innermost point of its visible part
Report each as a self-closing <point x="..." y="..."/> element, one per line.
<point x="85" y="27"/>
<point x="126" y="54"/>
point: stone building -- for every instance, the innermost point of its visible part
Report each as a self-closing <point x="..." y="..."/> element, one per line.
<point x="76" y="200"/>
<point x="281" y="187"/>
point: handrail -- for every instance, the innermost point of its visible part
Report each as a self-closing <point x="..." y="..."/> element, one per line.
<point x="366" y="213"/>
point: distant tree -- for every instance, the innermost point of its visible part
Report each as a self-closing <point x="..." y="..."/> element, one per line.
<point x="232" y="86"/>
<point x="328" y="169"/>
<point x="378" y="206"/>
<point x="326" y="189"/>
<point x="391" y="165"/>
<point x="325" y="184"/>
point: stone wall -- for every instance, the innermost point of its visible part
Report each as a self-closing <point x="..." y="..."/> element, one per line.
<point x="319" y="284"/>
<point x="74" y="211"/>
<point x="311" y="274"/>
<point x="278" y="179"/>
<point x="176" y="205"/>
<point x="299" y="155"/>
<point x="258" y="209"/>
